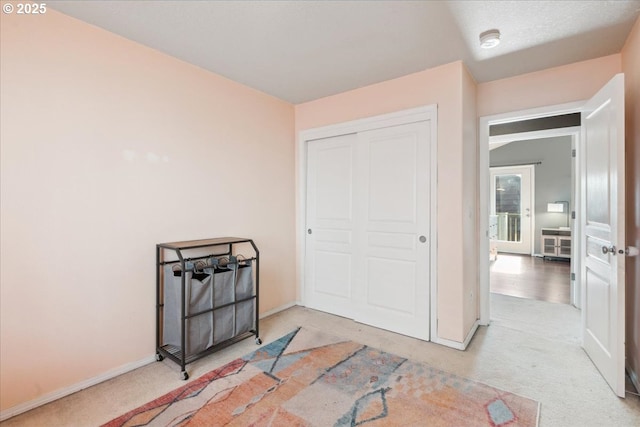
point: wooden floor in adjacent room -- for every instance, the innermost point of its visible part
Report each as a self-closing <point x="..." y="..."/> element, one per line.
<point x="531" y="277"/>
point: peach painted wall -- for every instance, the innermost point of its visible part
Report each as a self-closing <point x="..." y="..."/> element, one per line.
<point x="442" y="86"/>
<point x="107" y="148"/>
<point x="470" y="201"/>
<point x="574" y="82"/>
<point x="631" y="69"/>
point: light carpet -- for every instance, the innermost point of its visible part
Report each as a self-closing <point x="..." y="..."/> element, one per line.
<point x="308" y="378"/>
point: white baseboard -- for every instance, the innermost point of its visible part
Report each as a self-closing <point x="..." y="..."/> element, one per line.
<point x="455" y="344"/>
<point x="55" y="395"/>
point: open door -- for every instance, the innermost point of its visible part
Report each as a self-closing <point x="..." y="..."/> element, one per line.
<point x="603" y="248"/>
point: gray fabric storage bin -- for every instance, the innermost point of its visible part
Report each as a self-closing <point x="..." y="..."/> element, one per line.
<point x="223" y="324"/>
<point x="234" y="319"/>
<point x="244" y="311"/>
<point x="198" y="297"/>
<point x="245" y="316"/>
<point x="222" y="285"/>
<point x="223" y="294"/>
<point x="244" y="280"/>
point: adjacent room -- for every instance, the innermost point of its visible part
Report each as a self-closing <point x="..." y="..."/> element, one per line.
<point x="419" y="237"/>
<point x="532" y="200"/>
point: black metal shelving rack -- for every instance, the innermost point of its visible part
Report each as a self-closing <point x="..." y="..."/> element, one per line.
<point x="220" y="247"/>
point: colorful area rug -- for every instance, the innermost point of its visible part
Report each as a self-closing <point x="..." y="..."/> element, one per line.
<point x="310" y="379"/>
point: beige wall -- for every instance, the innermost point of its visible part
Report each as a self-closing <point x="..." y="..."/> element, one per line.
<point x="470" y="202"/>
<point x="108" y="148"/>
<point x="631" y="69"/>
<point x="574" y="82"/>
<point x="442" y="86"/>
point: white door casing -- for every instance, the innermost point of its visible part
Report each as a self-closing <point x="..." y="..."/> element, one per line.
<point x="382" y="274"/>
<point x="602" y="249"/>
<point x="523" y="243"/>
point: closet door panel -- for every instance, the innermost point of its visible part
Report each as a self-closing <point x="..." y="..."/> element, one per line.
<point x="392" y="290"/>
<point x="390" y="179"/>
<point x="388" y="273"/>
<point x="329" y="265"/>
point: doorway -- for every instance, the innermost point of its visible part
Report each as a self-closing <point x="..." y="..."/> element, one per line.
<point x="535" y="261"/>
<point x="572" y="132"/>
<point x="534" y="218"/>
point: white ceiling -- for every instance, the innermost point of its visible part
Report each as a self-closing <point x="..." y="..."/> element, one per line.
<point x="303" y="50"/>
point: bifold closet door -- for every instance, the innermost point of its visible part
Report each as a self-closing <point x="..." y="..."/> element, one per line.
<point x="367" y="245"/>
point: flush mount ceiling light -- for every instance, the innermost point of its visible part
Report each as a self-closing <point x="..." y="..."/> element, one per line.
<point x="490" y="39"/>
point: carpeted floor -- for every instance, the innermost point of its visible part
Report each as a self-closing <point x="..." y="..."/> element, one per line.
<point x="532" y="348"/>
<point x="309" y="378"/>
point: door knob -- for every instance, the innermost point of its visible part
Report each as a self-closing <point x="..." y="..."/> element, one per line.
<point x="611" y="250"/>
<point x="422" y="239"/>
<point x="309" y="231"/>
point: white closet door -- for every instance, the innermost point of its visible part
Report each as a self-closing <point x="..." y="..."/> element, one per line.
<point x="368" y="218"/>
<point x="329" y="257"/>
<point x="392" y="286"/>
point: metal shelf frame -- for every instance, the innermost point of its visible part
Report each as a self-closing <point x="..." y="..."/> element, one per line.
<point x="220" y="247"/>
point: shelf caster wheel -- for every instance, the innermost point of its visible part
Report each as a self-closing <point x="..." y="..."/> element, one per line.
<point x="159" y="357"/>
<point x="258" y="341"/>
<point x="184" y="375"/>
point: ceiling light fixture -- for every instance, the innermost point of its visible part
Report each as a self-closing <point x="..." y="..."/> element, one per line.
<point x="490" y="39"/>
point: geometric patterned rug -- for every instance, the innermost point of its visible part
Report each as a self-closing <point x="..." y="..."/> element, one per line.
<point x="308" y="378"/>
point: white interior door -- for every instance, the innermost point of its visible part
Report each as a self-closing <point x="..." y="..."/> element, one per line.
<point x="392" y="291"/>
<point x="512" y="203"/>
<point x="330" y="217"/>
<point x="602" y="250"/>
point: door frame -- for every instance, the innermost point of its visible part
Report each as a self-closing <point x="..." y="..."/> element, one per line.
<point x="424" y="113"/>
<point x="532" y="198"/>
<point x="484" y="195"/>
